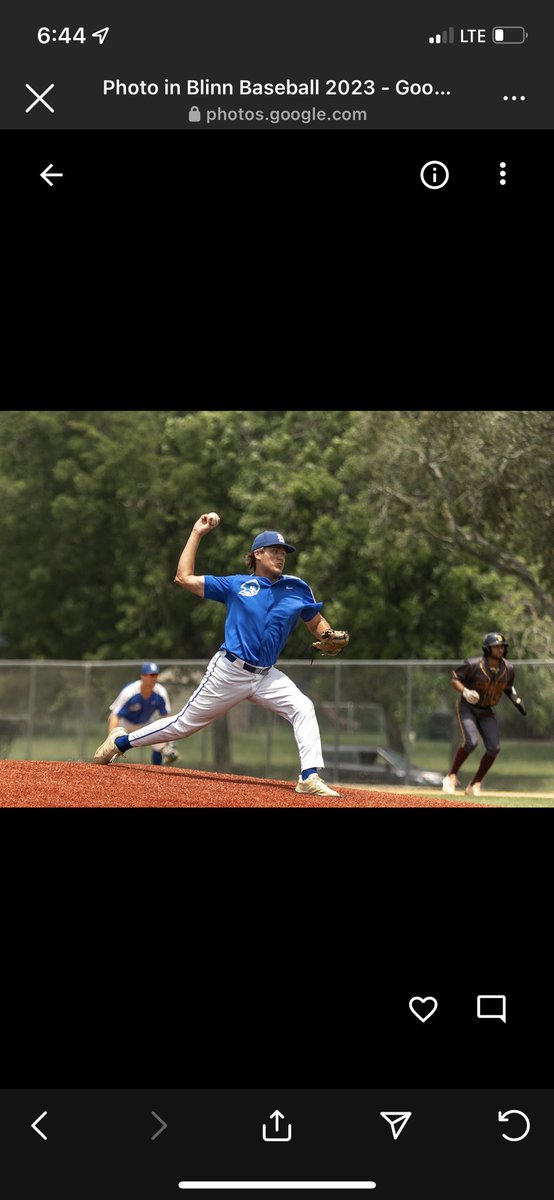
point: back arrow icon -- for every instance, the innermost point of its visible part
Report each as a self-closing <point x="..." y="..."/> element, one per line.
<point x="54" y="174"/>
<point x="515" y="1112"/>
<point x="162" y="1123"/>
<point x="35" y="1123"/>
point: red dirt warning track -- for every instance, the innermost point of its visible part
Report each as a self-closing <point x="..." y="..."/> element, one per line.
<point x="126" y="785"/>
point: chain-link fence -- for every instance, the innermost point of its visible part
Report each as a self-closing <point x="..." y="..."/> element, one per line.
<point x="376" y="718"/>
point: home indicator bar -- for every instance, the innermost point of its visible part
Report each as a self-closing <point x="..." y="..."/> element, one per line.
<point x="279" y="1184"/>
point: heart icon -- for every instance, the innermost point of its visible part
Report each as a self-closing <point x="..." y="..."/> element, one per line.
<point x="418" y="1005"/>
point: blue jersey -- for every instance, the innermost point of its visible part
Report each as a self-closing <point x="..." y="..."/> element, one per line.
<point x="136" y="708"/>
<point x="260" y="615"/>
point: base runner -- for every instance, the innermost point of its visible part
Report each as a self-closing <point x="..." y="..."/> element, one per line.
<point x="480" y="683"/>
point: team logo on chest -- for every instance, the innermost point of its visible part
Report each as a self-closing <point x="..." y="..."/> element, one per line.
<point x="249" y="589"/>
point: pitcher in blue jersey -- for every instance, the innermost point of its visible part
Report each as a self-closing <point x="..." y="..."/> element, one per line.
<point x="263" y="607"/>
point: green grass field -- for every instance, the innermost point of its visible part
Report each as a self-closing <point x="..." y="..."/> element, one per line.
<point x="519" y="766"/>
<point x="523" y="769"/>
<point x="495" y="799"/>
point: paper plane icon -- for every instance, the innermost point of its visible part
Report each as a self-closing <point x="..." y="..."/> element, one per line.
<point x="397" y="1121"/>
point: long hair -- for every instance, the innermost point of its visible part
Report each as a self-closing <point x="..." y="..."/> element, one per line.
<point x="250" y="562"/>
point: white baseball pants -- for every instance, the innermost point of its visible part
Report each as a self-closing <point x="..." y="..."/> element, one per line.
<point x="226" y="684"/>
<point x="135" y="728"/>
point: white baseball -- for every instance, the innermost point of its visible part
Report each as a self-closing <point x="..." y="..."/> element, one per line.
<point x="213" y="519"/>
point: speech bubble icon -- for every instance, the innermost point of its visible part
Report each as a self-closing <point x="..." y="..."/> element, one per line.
<point x="492" y="1007"/>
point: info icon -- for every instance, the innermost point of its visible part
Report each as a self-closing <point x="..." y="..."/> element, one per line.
<point x="434" y="174"/>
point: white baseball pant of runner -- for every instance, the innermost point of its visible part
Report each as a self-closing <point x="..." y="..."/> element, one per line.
<point x="226" y="684"/>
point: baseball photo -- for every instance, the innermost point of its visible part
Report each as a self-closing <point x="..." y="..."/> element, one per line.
<point x="251" y="609"/>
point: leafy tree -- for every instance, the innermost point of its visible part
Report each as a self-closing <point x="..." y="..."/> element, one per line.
<point x="464" y="489"/>
<point x="69" y="484"/>
<point x="418" y="530"/>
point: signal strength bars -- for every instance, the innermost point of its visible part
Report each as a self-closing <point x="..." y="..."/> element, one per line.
<point x="447" y="35"/>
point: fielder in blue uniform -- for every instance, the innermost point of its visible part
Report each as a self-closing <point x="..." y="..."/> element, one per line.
<point x="136" y="705"/>
<point x="263" y="608"/>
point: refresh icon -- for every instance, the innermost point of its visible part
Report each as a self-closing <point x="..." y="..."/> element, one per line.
<point x="510" y="1112"/>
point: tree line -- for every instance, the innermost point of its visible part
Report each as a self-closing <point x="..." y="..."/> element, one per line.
<point x="419" y="530"/>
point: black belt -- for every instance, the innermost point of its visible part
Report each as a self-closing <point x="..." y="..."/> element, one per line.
<point x="247" y="666"/>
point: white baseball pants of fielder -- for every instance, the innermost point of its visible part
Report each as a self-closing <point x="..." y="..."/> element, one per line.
<point x="226" y="684"/>
<point x="134" y="729"/>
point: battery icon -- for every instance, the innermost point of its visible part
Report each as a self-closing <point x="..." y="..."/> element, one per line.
<point x="508" y="35"/>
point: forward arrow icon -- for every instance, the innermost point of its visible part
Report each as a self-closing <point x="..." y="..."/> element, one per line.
<point x="162" y="1123"/>
<point x="397" y="1121"/>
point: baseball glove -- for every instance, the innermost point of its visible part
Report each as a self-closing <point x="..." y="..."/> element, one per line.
<point x="169" y="754"/>
<point x="333" y="641"/>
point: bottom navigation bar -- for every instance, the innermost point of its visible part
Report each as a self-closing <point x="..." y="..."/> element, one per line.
<point x="151" y="1144"/>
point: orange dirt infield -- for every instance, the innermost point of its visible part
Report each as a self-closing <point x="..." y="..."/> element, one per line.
<point x="126" y="785"/>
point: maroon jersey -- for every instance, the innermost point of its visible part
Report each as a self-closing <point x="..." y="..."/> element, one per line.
<point x="477" y="673"/>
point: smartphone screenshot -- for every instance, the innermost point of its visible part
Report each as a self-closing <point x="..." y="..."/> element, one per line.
<point x="434" y="100"/>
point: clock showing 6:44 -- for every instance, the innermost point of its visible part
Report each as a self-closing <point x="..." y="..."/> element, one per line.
<point x="46" y="35"/>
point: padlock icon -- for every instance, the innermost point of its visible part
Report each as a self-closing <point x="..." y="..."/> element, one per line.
<point x="194" y="113"/>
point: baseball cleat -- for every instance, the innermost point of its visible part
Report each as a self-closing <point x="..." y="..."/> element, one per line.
<point x="108" y="752"/>
<point x="169" y="754"/>
<point x="449" y="784"/>
<point x="314" y="786"/>
<point x="473" y="789"/>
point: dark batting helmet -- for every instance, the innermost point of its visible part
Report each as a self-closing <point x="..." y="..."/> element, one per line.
<point x="494" y="639"/>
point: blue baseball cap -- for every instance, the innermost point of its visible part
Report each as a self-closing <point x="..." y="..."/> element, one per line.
<point x="150" y="668"/>
<point x="271" y="538"/>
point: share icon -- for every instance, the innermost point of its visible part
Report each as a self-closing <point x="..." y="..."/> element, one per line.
<point x="397" y="1121"/>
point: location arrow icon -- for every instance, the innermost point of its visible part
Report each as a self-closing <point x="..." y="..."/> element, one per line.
<point x="397" y="1121"/>
<point x="101" y="34"/>
<point x="35" y="1123"/>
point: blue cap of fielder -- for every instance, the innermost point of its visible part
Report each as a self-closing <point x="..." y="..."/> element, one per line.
<point x="271" y="538"/>
<point x="150" y="668"/>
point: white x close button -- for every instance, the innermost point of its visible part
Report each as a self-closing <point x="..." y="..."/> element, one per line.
<point x="39" y="96"/>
